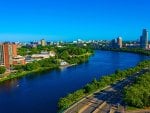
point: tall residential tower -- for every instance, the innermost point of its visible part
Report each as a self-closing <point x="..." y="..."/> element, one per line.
<point x="1" y="55"/>
<point x="43" y="42"/>
<point x="119" y="42"/>
<point x="144" y="39"/>
<point x="7" y="52"/>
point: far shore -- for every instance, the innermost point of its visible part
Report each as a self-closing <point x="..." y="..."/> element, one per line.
<point x="13" y="75"/>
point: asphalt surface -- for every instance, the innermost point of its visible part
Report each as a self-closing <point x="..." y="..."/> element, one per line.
<point x="106" y="101"/>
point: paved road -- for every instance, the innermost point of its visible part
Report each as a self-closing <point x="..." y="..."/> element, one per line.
<point x="107" y="101"/>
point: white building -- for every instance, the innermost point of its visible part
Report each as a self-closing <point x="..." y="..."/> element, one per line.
<point x="43" y="55"/>
<point x="39" y="56"/>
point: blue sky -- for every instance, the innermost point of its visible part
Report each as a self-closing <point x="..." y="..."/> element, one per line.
<point x="27" y="20"/>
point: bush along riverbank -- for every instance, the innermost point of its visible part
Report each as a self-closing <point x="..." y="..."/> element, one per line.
<point x="96" y="85"/>
<point x="138" y="94"/>
<point x="31" y="68"/>
<point x="129" y="50"/>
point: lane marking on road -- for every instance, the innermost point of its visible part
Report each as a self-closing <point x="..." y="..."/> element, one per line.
<point x="112" y="111"/>
<point x="84" y="108"/>
<point x="99" y="107"/>
<point x="87" y="105"/>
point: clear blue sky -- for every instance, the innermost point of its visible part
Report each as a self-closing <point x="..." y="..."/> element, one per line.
<point x="27" y="20"/>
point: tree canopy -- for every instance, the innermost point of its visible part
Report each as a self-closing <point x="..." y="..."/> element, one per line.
<point x="138" y="94"/>
<point x="2" y="69"/>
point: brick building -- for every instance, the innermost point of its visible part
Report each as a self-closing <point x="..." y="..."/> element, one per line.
<point x="8" y="55"/>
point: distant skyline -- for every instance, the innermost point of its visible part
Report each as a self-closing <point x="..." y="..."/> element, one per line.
<point x="67" y="20"/>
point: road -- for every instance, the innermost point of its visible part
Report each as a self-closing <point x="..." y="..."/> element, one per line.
<point x="106" y="101"/>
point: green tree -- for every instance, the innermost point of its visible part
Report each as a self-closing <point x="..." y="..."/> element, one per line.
<point x="64" y="54"/>
<point x="2" y="69"/>
<point x="138" y="95"/>
<point x="32" y="66"/>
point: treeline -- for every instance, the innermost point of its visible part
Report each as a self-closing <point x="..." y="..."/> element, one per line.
<point x="2" y="69"/>
<point x="73" y="54"/>
<point x="27" y="50"/>
<point x="76" y="59"/>
<point x="69" y="53"/>
<point x="50" y="63"/>
<point x="131" y="50"/>
<point x="138" y="95"/>
<point x="95" y="85"/>
<point x="70" y="48"/>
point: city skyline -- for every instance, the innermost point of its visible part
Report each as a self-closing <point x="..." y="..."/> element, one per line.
<point x="39" y="38"/>
<point x="70" y="20"/>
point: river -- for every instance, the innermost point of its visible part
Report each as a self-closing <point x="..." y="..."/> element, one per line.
<point x="40" y="93"/>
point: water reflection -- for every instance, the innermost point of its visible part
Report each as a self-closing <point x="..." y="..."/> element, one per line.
<point x="9" y="85"/>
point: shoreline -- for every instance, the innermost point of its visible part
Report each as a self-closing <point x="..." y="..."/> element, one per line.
<point x="24" y="73"/>
<point x="76" y="104"/>
<point x="42" y="69"/>
<point x="130" y="71"/>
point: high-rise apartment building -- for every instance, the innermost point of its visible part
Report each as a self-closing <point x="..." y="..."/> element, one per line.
<point x="116" y="43"/>
<point x="7" y="52"/>
<point x="144" y="39"/>
<point x="1" y="55"/>
<point x="14" y="50"/>
<point x="43" y="42"/>
<point x="119" y="42"/>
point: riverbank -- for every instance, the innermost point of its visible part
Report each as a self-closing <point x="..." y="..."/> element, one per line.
<point x="24" y="73"/>
<point x="103" y="100"/>
<point x="95" y="85"/>
<point x="42" y="69"/>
